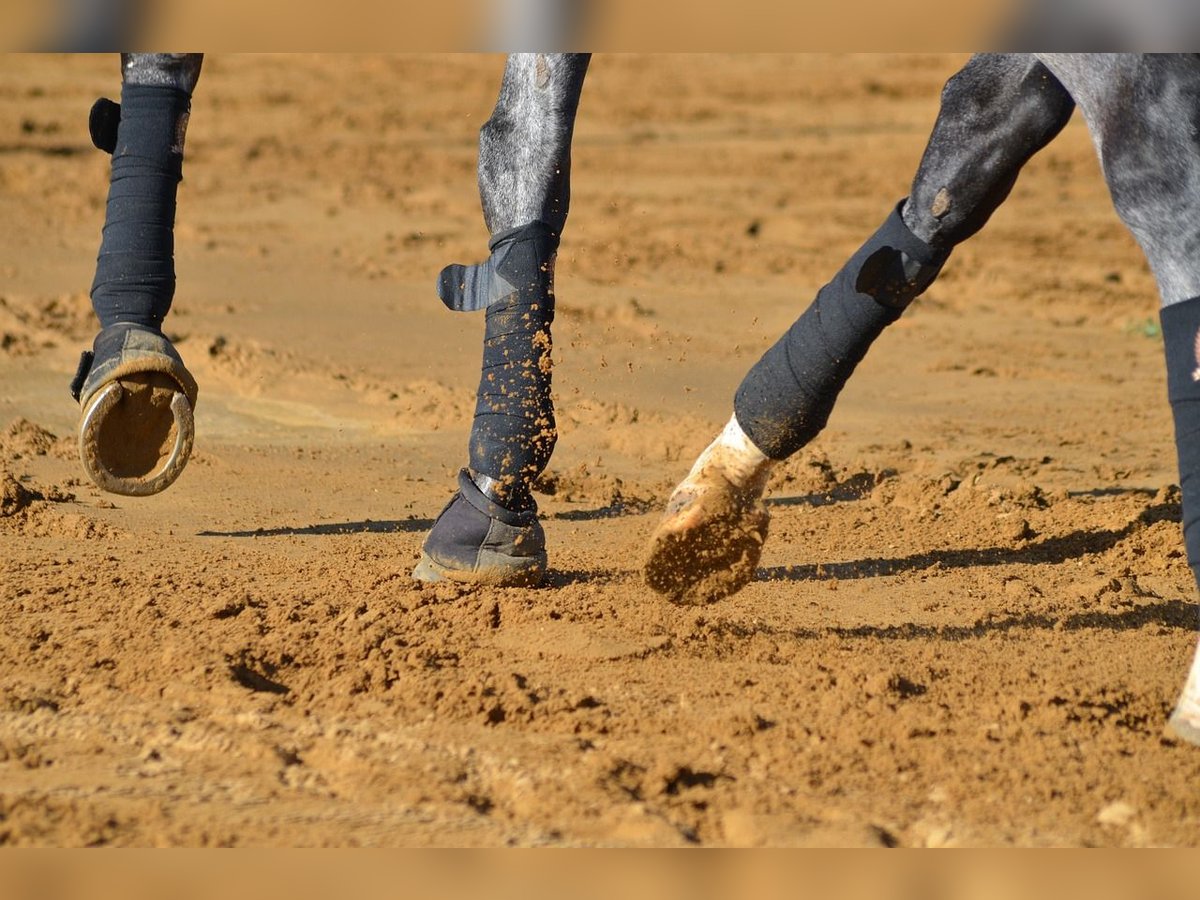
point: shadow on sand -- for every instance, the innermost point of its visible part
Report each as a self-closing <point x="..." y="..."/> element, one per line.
<point x="1050" y="551"/>
<point x="367" y="526"/>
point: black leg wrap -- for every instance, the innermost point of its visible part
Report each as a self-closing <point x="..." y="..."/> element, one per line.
<point x="1181" y="341"/>
<point x="786" y="398"/>
<point x="135" y="271"/>
<point x="514" y="432"/>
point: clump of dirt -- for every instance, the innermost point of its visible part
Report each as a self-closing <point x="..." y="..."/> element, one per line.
<point x="989" y="486"/>
<point x="238" y="358"/>
<point x="592" y="411"/>
<point x="580" y="484"/>
<point x="32" y="324"/>
<point x="810" y="472"/>
<point x="428" y="404"/>
<point x="23" y="438"/>
<point x="16" y="344"/>
<point x="14" y="496"/>
<point x="69" y="315"/>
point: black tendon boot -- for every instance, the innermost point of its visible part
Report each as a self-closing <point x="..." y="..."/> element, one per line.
<point x="786" y="398"/>
<point x="489" y="533"/>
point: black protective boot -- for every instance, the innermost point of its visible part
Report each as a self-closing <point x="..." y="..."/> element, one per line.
<point x="786" y="398"/>
<point x="475" y="540"/>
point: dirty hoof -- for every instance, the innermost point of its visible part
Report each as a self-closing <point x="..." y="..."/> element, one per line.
<point x="709" y="542"/>
<point x="136" y="435"/>
<point x="137" y="428"/>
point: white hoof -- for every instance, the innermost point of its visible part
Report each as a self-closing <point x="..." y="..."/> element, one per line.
<point x="710" y="540"/>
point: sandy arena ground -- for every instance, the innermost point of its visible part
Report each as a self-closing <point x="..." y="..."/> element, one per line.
<point x="973" y="613"/>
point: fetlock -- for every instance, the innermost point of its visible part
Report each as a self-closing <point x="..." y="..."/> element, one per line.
<point x="731" y="460"/>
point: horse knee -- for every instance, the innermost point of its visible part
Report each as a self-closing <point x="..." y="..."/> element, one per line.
<point x="177" y="70"/>
<point x="995" y="114"/>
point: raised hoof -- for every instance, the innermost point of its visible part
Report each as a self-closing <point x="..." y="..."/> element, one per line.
<point x="136" y="435"/>
<point x="477" y="541"/>
<point x="708" y="545"/>
<point x="137" y="428"/>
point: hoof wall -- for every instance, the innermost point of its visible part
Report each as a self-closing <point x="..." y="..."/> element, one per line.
<point x="136" y="434"/>
<point x="707" y="547"/>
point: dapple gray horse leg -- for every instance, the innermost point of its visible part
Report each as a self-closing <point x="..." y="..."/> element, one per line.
<point x="1143" y="113"/>
<point x="135" y="394"/>
<point x="489" y="532"/>
<point x="995" y="114"/>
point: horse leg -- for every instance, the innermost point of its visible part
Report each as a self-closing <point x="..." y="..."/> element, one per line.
<point x="489" y="532"/>
<point x="135" y="393"/>
<point x="995" y="114"/>
<point x="1141" y="111"/>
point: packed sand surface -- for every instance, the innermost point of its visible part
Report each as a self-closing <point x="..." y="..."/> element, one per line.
<point x="972" y="616"/>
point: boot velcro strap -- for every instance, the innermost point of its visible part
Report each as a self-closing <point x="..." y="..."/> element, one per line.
<point x="81" y="373"/>
<point x="475" y="495"/>
<point x="521" y="258"/>
<point x="102" y="124"/>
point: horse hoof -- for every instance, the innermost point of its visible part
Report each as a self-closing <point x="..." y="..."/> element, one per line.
<point x="136" y="435"/>
<point x="708" y="545"/>
<point x="137" y="428"/>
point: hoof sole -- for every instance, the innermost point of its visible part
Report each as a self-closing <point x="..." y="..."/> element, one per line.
<point x="136" y="434"/>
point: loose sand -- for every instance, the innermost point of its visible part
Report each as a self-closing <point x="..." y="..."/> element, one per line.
<point x="972" y="615"/>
